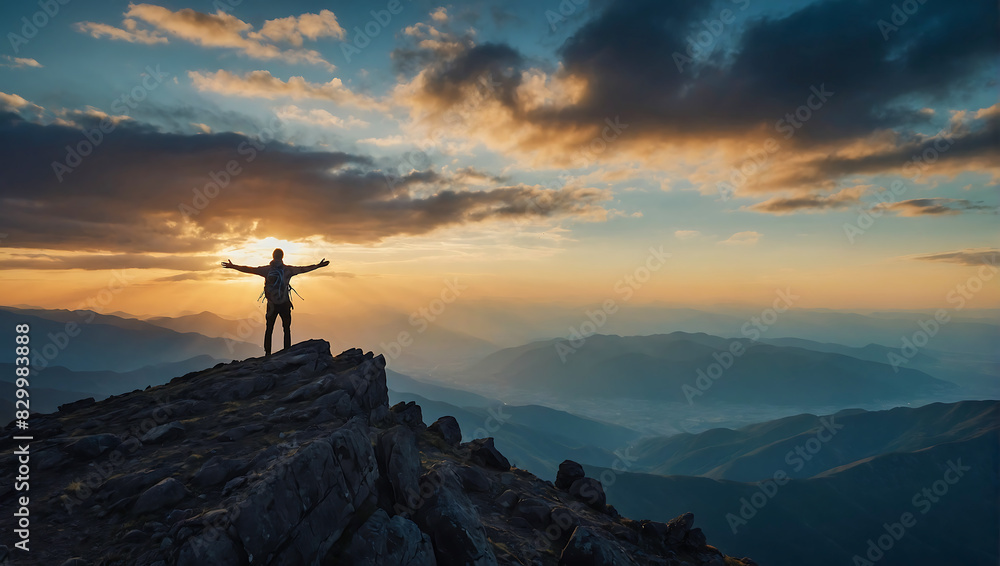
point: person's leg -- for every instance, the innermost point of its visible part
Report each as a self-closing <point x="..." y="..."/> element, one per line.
<point x="269" y="317"/>
<point x="286" y="323"/>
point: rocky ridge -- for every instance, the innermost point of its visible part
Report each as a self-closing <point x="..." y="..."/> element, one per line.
<point x="298" y="459"/>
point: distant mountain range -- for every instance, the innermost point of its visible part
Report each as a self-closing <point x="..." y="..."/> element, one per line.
<point x="682" y="367"/>
<point x="950" y="450"/>
<point x="110" y="343"/>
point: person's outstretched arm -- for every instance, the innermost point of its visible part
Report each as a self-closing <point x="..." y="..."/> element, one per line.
<point x="262" y="271"/>
<point x="307" y="268"/>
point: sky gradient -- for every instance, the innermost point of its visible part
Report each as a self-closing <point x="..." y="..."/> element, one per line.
<point x="535" y="151"/>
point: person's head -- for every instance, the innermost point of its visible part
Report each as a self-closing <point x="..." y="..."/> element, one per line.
<point x="278" y="255"/>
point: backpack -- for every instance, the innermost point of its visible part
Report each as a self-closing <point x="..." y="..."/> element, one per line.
<point x="277" y="286"/>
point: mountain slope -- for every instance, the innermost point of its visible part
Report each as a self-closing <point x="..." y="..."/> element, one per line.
<point x="827" y="520"/>
<point x="667" y="367"/>
<point x="298" y="459"/>
<point x="109" y="342"/>
<point x="754" y="452"/>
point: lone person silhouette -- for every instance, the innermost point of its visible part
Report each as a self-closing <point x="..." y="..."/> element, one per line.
<point x="276" y="290"/>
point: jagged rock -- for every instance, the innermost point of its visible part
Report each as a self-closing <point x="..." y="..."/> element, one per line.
<point x="338" y="403"/>
<point x="302" y="505"/>
<point x="163" y="433"/>
<point x="310" y="391"/>
<point x="678" y="527"/>
<point x="211" y="547"/>
<point x="399" y="462"/>
<point x="535" y="511"/>
<point x="508" y="499"/>
<point x="483" y="452"/>
<point x="93" y="446"/>
<point x="586" y="548"/>
<point x="569" y="472"/>
<point x="473" y="479"/>
<point x="382" y="540"/>
<point x="241" y="432"/>
<point x="452" y="522"/>
<point x="408" y="414"/>
<point x="696" y="538"/>
<point x="589" y="491"/>
<point x="447" y="428"/>
<point x="366" y="385"/>
<point x="128" y="485"/>
<point x="68" y="408"/>
<point x="164" y="494"/>
<point x="217" y="470"/>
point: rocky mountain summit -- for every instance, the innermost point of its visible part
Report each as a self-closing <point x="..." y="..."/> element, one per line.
<point x="298" y="459"/>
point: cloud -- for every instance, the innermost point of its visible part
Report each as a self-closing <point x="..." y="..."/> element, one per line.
<point x="262" y="84"/>
<point x="384" y="142"/>
<point x="687" y="234"/>
<point x="318" y="117"/>
<point x="716" y="106"/>
<point x="130" y="33"/>
<point x="222" y="30"/>
<point x="812" y="202"/>
<point x="937" y="207"/>
<point x="969" y="256"/>
<point x="18" y="62"/>
<point x="312" y="26"/>
<point x="274" y="190"/>
<point x="93" y="262"/>
<point x="440" y="15"/>
<point x="743" y="239"/>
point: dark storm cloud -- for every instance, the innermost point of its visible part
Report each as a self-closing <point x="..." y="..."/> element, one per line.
<point x="92" y="262"/>
<point x="131" y="194"/>
<point x="628" y="54"/>
<point x="757" y="72"/>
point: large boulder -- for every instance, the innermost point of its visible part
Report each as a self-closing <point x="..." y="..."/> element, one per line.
<point x="482" y="451"/>
<point x="167" y="493"/>
<point x="382" y="540"/>
<point x="303" y="504"/>
<point x="163" y="433"/>
<point x="589" y="491"/>
<point x="587" y="548"/>
<point x="399" y="463"/>
<point x="452" y="521"/>
<point x="447" y="428"/>
<point x="408" y="414"/>
<point x="89" y="447"/>
<point x="569" y="472"/>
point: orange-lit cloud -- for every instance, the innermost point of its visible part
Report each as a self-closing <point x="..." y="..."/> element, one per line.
<point x="262" y="84"/>
<point x="222" y="30"/>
